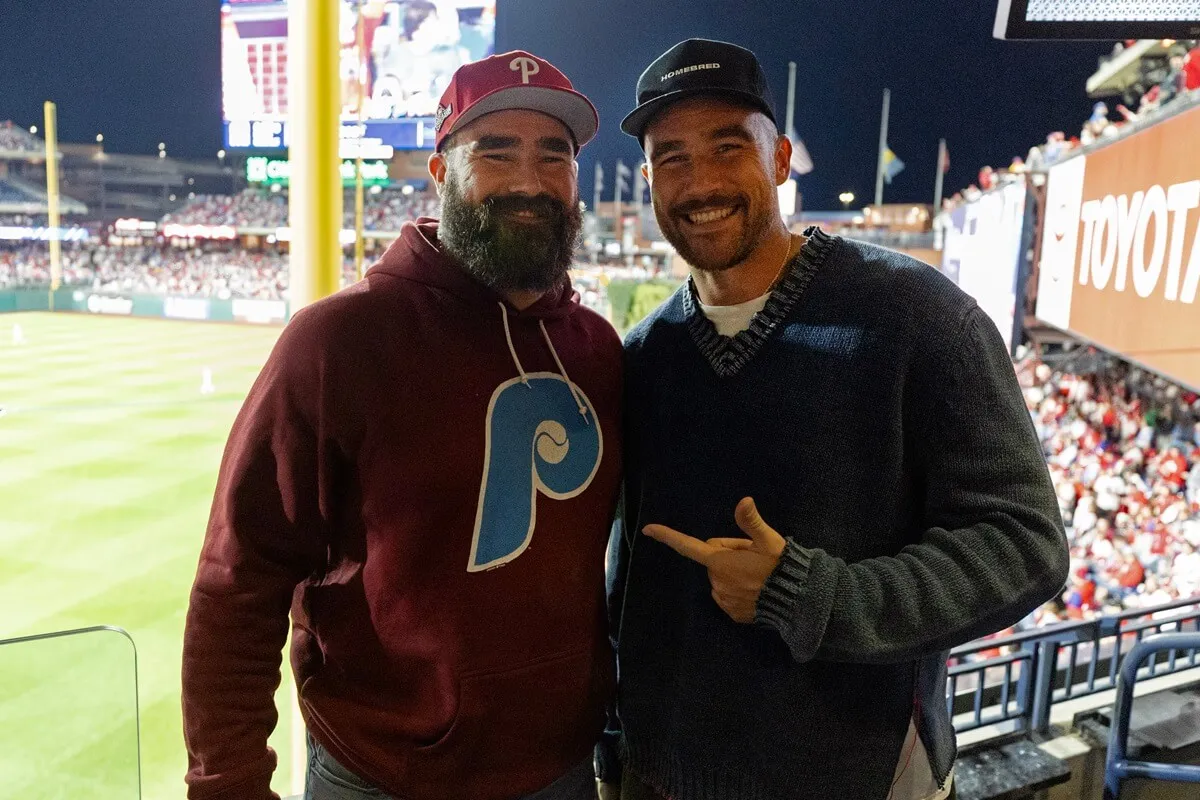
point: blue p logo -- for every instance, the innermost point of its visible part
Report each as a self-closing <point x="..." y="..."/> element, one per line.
<point x="537" y="441"/>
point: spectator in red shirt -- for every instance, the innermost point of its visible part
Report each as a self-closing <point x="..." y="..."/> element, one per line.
<point x="1173" y="468"/>
<point x="1129" y="573"/>
<point x="1191" y="69"/>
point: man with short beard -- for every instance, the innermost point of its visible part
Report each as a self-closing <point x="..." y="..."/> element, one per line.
<point x="425" y="474"/>
<point x="868" y="408"/>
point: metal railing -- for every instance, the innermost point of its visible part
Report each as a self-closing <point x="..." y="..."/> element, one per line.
<point x="1118" y="767"/>
<point x="1037" y="668"/>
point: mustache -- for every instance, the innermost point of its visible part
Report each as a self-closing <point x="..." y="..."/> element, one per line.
<point x="712" y="201"/>
<point x="543" y="205"/>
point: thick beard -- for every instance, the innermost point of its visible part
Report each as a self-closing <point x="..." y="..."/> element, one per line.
<point x="751" y="236"/>
<point x="507" y="256"/>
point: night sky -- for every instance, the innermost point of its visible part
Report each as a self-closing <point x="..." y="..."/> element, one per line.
<point x="142" y="72"/>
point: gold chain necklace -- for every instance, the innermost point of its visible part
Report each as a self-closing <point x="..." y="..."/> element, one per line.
<point x="783" y="266"/>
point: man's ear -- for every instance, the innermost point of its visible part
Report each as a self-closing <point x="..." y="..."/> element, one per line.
<point x="783" y="160"/>
<point x="437" y="169"/>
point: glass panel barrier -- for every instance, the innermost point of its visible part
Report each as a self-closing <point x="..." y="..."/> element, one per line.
<point x="69" y="724"/>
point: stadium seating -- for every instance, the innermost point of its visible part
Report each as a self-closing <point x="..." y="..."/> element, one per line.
<point x="155" y="270"/>
<point x="1123" y="448"/>
<point x="10" y="194"/>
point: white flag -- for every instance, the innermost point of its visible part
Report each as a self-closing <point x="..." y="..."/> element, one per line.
<point x="623" y="175"/>
<point x="801" y="163"/>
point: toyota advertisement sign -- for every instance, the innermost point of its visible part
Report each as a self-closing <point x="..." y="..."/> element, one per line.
<point x="1120" y="257"/>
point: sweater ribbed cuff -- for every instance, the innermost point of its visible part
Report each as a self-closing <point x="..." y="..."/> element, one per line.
<point x="777" y="601"/>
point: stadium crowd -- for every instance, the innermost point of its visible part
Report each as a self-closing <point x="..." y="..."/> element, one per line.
<point x="385" y="210"/>
<point x="1123" y="448"/>
<point x="24" y="220"/>
<point x="250" y="208"/>
<point x="196" y="272"/>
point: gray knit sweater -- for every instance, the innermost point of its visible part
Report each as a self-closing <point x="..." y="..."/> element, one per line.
<point x="872" y="412"/>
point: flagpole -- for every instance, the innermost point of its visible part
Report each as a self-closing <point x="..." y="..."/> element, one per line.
<point x="883" y="131"/>
<point x="597" y="185"/>
<point x="618" y="231"/>
<point x="937" y="187"/>
<point x="791" y="101"/>
<point x="638" y="202"/>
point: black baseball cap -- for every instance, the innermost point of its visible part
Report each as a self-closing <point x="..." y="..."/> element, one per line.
<point x="696" y="67"/>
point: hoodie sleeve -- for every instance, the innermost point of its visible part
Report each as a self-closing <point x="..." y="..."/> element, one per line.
<point x="993" y="547"/>
<point x="265" y="535"/>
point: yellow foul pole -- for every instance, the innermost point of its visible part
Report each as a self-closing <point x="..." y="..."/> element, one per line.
<point x="52" y="198"/>
<point x="361" y="72"/>
<point x="314" y="106"/>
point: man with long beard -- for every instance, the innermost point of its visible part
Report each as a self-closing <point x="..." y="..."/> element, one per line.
<point x="425" y="473"/>
<point x="868" y="408"/>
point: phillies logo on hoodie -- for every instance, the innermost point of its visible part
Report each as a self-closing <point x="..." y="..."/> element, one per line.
<point x="542" y="437"/>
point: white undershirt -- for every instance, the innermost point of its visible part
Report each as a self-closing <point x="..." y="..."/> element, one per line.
<point x="732" y="320"/>
<point x="913" y="778"/>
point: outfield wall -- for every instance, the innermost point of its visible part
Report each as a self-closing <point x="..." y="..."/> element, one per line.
<point x="84" y="301"/>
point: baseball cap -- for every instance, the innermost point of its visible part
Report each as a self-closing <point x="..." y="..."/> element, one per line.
<point x="514" y="80"/>
<point x="694" y="67"/>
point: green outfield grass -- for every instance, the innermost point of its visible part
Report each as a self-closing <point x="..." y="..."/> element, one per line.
<point x="108" y="456"/>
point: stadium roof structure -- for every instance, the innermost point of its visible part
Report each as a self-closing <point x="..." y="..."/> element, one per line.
<point x="1120" y="73"/>
<point x="19" y="197"/>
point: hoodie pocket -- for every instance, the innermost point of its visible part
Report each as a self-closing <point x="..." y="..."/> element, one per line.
<point x="517" y="729"/>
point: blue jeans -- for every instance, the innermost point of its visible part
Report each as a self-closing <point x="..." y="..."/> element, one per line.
<point x="329" y="780"/>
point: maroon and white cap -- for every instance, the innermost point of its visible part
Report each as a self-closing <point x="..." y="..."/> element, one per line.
<point x="516" y="80"/>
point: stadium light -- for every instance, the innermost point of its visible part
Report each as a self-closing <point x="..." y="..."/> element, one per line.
<point x="221" y="155"/>
<point x="33" y="129"/>
<point x="99" y="138"/>
<point x="847" y="198"/>
<point x="162" y="153"/>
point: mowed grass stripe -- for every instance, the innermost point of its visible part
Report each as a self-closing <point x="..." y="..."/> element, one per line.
<point x="72" y="591"/>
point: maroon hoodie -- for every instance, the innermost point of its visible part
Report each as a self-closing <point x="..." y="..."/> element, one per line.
<point x="415" y="478"/>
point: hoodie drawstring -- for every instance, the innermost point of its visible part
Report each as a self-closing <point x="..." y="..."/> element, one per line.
<point x="511" y="348"/>
<point x="583" y="409"/>
<point x="578" y="400"/>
